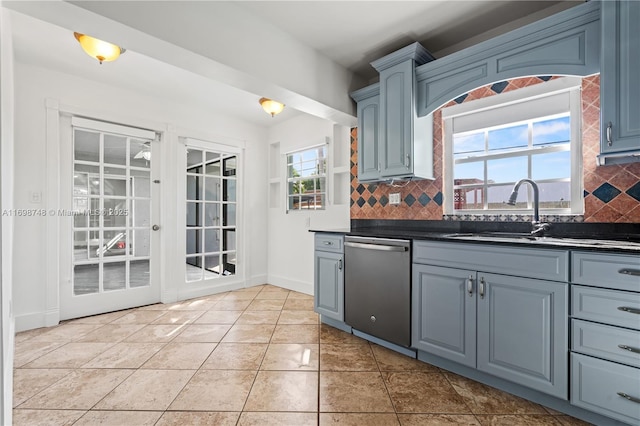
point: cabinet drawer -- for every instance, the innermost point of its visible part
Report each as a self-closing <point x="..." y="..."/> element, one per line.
<point x="329" y="242"/>
<point x="617" y="271"/>
<point x="546" y="264"/>
<point x="597" y="385"/>
<point x="608" y="306"/>
<point x="605" y="341"/>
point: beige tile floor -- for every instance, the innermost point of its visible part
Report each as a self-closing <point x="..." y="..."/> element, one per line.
<point x="256" y="356"/>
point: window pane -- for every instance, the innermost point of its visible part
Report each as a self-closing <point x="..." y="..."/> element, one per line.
<point x="80" y="246"/>
<point x="230" y="166"/>
<point x="115" y="213"/>
<point x="468" y="144"/>
<point x="86" y="146"/>
<point x="555" y="195"/>
<point x="499" y="195"/>
<point x="114" y="243"/>
<point x="212" y="264"/>
<point x="194" y="269"/>
<point x="86" y="279"/>
<point x="553" y="165"/>
<point x="141" y="242"/>
<point x="229" y="211"/>
<point x="229" y="264"/>
<point x="557" y="130"/>
<point x="115" y="149"/>
<point x="139" y="274"/>
<point x="212" y="189"/>
<point x="468" y="198"/>
<point x="194" y="187"/>
<point x="94" y="184"/>
<point x="116" y="187"/>
<point x="211" y="240"/>
<point x="194" y="214"/>
<point x="468" y="173"/>
<point x="508" y="138"/>
<point x="213" y="168"/>
<point x="229" y="239"/>
<point x="141" y="184"/>
<point x="507" y="169"/>
<point x="94" y="213"/>
<point x="80" y="184"/>
<point x="110" y="171"/>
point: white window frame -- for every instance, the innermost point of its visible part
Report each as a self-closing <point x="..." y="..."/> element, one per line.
<point x="325" y="176"/>
<point x="548" y="99"/>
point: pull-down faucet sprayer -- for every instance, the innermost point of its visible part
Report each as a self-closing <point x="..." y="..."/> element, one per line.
<point x="538" y="228"/>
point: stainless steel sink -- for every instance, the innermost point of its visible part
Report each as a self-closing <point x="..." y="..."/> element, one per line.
<point x="524" y="238"/>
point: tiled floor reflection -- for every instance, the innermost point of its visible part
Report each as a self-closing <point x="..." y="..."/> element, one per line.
<point x="256" y="356"/>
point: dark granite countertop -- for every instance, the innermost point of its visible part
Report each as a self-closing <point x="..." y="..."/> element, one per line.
<point x="602" y="237"/>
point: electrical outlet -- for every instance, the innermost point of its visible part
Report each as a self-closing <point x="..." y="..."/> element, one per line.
<point x="394" y="198"/>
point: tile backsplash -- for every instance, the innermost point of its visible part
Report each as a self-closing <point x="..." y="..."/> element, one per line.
<point x="611" y="193"/>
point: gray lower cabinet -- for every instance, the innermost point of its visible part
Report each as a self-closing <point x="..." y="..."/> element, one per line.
<point x="444" y="313"/>
<point x="511" y="327"/>
<point x="329" y="276"/>
<point x="523" y="331"/>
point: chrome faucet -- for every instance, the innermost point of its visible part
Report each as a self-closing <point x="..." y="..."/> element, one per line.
<point x="538" y="228"/>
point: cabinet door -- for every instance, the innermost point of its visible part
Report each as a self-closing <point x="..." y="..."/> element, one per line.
<point x="396" y="115"/>
<point x="522" y="331"/>
<point x="619" y="82"/>
<point x="368" y="139"/>
<point x="444" y="313"/>
<point x="329" y="285"/>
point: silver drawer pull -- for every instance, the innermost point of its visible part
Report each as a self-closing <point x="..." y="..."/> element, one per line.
<point x="630" y="349"/>
<point x="628" y="309"/>
<point x="609" y="127"/>
<point x="629" y="397"/>
<point x="632" y="272"/>
<point x="328" y="243"/>
<point x="481" y="291"/>
<point x="470" y="285"/>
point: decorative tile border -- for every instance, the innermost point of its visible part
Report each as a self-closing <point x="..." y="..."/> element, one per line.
<point x="551" y="218"/>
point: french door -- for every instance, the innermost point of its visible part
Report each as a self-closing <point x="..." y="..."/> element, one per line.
<point x="113" y="208"/>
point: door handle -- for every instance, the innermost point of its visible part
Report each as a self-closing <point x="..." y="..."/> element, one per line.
<point x="609" y="128"/>
<point x="632" y="272"/>
<point x="156" y="227"/>
<point x="340" y="265"/>
<point x="470" y="285"/>
<point x="481" y="290"/>
<point x="630" y="349"/>
<point x="629" y="309"/>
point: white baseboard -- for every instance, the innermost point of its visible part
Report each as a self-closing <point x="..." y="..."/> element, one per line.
<point x="257" y="280"/>
<point x="289" y="284"/>
<point x="36" y="320"/>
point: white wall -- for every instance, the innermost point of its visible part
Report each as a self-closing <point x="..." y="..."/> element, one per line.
<point x="34" y="85"/>
<point x="6" y="203"/>
<point x="290" y="244"/>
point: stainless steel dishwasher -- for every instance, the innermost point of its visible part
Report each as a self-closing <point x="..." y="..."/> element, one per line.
<point x="377" y="287"/>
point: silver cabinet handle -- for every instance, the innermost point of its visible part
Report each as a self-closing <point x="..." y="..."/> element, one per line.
<point x="408" y="161"/>
<point x="379" y="247"/>
<point x="629" y="397"/>
<point x="628" y="309"/>
<point x="633" y="272"/>
<point x="609" y="128"/>
<point x="470" y="285"/>
<point x="481" y="290"/>
<point x="340" y="265"/>
<point x="630" y="349"/>
<point x="328" y="243"/>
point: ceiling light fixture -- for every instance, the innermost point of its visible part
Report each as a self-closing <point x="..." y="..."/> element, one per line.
<point x="271" y="107"/>
<point x="101" y="50"/>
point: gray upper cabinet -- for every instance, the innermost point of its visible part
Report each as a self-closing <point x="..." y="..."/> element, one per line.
<point x="393" y="142"/>
<point x="368" y="133"/>
<point x="329" y="276"/>
<point x="619" y="82"/>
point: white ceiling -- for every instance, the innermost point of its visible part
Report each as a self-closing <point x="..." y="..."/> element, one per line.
<point x="350" y="33"/>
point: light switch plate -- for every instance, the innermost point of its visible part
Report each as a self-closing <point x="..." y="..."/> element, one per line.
<point x="394" y="198"/>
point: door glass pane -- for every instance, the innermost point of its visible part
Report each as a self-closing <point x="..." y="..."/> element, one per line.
<point x="110" y="171"/>
<point x="212" y="214"/>
<point x="115" y="212"/>
<point x="212" y="189"/>
<point x="140" y="153"/>
<point x="80" y="245"/>
<point x="115" y="149"/>
<point x="114" y="243"/>
<point x="114" y="276"/>
<point x="141" y="242"/>
<point x="94" y="212"/>
<point x="194" y="187"/>
<point x="230" y="166"/>
<point x="80" y="212"/>
<point x="80" y="184"/>
<point x="194" y="269"/>
<point x="211" y="240"/>
<point x="229" y="190"/>
<point x="194" y="214"/>
<point x="213" y="168"/>
<point x="194" y="241"/>
<point x="86" y="168"/>
<point x="229" y="214"/>
<point x="86" y="146"/>
<point x="141" y="214"/>
<point x="229" y="239"/>
<point x="116" y="187"/>
<point x="139" y="273"/>
<point x="212" y="265"/>
<point x="140" y="184"/>
<point x="194" y="159"/>
<point x="86" y="279"/>
<point x="229" y="264"/>
<point x="94" y="184"/>
<point x="94" y="244"/>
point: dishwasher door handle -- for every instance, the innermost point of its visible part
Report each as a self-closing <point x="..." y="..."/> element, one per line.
<point x="379" y="247"/>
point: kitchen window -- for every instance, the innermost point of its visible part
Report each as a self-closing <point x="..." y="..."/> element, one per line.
<point x="307" y="179"/>
<point x="493" y="142"/>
